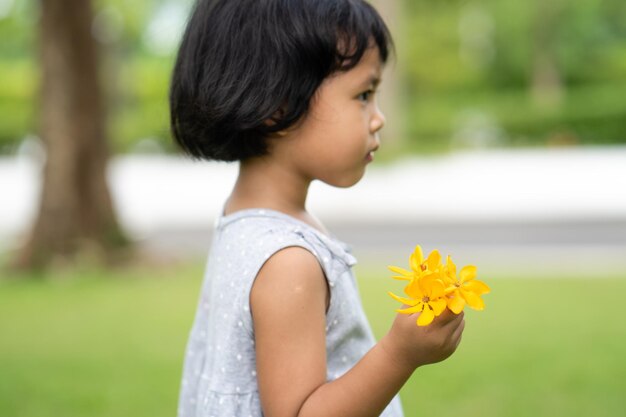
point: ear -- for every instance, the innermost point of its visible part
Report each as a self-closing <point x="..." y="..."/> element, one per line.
<point x="271" y="121"/>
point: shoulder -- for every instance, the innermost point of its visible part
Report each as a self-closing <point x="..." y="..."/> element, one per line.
<point x="265" y="243"/>
<point x="291" y="276"/>
<point x="259" y="237"/>
<point x="257" y="230"/>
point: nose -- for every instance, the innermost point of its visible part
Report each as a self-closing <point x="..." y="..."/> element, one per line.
<point x="378" y="120"/>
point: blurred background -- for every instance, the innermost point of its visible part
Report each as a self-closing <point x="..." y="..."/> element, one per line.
<point x="505" y="147"/>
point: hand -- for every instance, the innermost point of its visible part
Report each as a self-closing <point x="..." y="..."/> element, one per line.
<point x="414" y="346"/>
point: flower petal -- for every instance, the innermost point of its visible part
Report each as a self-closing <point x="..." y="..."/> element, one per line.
<point x="426" y="317"/>
<point x="468" y="273"/>
<point x="411" y="310"/>
<point x="473" y="300"/>
<point x="432" y="288"/>
<point x="434" y="260"/>
<point x="448" y="273"/>
<point x="416" y="259"/>
<point x="402" y="277"/>
<point x="456" y="303"/>
<point x="400" y="271"/>
<point x="438" y="305"/>
<point x="431" y="275"/>
<point x="406" y="301"/>
<point x="477" y="287"/>
<point x="450" y="268"/>
<point x="413" y="290"/>
<point x="450" y="289"/>
<point x="447" y="281"/>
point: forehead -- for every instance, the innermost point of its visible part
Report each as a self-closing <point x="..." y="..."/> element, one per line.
<point x="367" y="71"/>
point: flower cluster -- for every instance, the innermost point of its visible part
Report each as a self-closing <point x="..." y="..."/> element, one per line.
<point x="433" y="286"/>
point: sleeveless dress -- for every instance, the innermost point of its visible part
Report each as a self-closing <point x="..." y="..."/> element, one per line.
<point x="219" y="374"/>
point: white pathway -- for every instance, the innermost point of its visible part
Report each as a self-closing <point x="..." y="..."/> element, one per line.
<point x="155" y="193"/>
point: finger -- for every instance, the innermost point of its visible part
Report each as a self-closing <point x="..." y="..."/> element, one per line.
<point x="446" y="317"/>
<point x="458" y="334"/>
<point x="458" y="331"/>
<point x="451" y="319"/>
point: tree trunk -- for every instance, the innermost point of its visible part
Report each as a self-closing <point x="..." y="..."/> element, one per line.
<point x="75" y="213"/>
<point x="546" y="83"/>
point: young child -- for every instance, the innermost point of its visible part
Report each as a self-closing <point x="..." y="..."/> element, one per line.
<point x="287" y="88"/>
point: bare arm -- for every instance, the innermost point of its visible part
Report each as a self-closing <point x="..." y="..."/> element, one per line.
<point x="288" y="303"/>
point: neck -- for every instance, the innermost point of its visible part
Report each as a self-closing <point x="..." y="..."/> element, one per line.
<point x="268" y="185"/>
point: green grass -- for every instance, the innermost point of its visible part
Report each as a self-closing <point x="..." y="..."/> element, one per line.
<point x="93" y="343"/>
<point x="542" y="347"/>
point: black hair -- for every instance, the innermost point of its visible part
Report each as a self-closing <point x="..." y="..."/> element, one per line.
<point x="249" y="68"/>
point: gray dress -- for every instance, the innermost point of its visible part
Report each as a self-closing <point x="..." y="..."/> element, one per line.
<point x="219" y="375"/>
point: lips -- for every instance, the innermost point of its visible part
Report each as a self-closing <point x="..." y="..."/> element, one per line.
<point x="370" y="155"/>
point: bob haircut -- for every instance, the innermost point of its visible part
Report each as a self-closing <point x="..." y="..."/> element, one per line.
<point x="248" y="68"/>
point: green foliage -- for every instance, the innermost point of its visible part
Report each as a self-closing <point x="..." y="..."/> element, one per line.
<point x="134" y="78"/>
<point x="591" y="114"/>
<point x="17" y="90"/>
<point x="464" y="58"/>
<point x="139" y="107"/>
<point x="16" y="30"/>
<point x="111" y="343"/>
<point x="457" y="61"/>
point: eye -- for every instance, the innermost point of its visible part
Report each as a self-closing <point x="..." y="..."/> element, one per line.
<point x="366" y="95"/>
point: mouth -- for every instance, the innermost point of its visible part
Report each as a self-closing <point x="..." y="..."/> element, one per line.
<point x="370" y="155"/>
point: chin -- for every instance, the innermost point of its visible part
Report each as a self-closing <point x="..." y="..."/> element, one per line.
<point x="345" y="182"/>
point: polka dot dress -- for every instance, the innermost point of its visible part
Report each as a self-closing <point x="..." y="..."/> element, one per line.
<point x="219" y="375"/>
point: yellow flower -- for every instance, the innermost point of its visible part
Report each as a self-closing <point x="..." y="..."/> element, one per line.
<point x="465" y="289"/>
<point x="427" y="297"/>
<point x="419" y="267"/>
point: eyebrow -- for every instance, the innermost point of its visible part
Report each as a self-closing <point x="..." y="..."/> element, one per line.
<point x="371" y="80"/>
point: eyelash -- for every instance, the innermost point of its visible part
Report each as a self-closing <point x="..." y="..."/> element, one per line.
<point x="367" y="93"/>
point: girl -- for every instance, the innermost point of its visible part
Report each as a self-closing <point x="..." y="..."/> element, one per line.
<point x="287" y="88"/>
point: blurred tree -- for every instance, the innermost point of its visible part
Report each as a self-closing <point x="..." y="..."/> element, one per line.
<point x="532" y="68"/>
<point x="557" y="68"/>
<point x="75" y="214"/>
<point x="389" y="91"/>
<point x="546" y="83"/>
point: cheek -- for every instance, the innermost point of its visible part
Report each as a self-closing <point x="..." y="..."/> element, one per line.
<point x="349" y="134"/>
<point x="336" y="140"/>
<point x="342" y="147"/>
